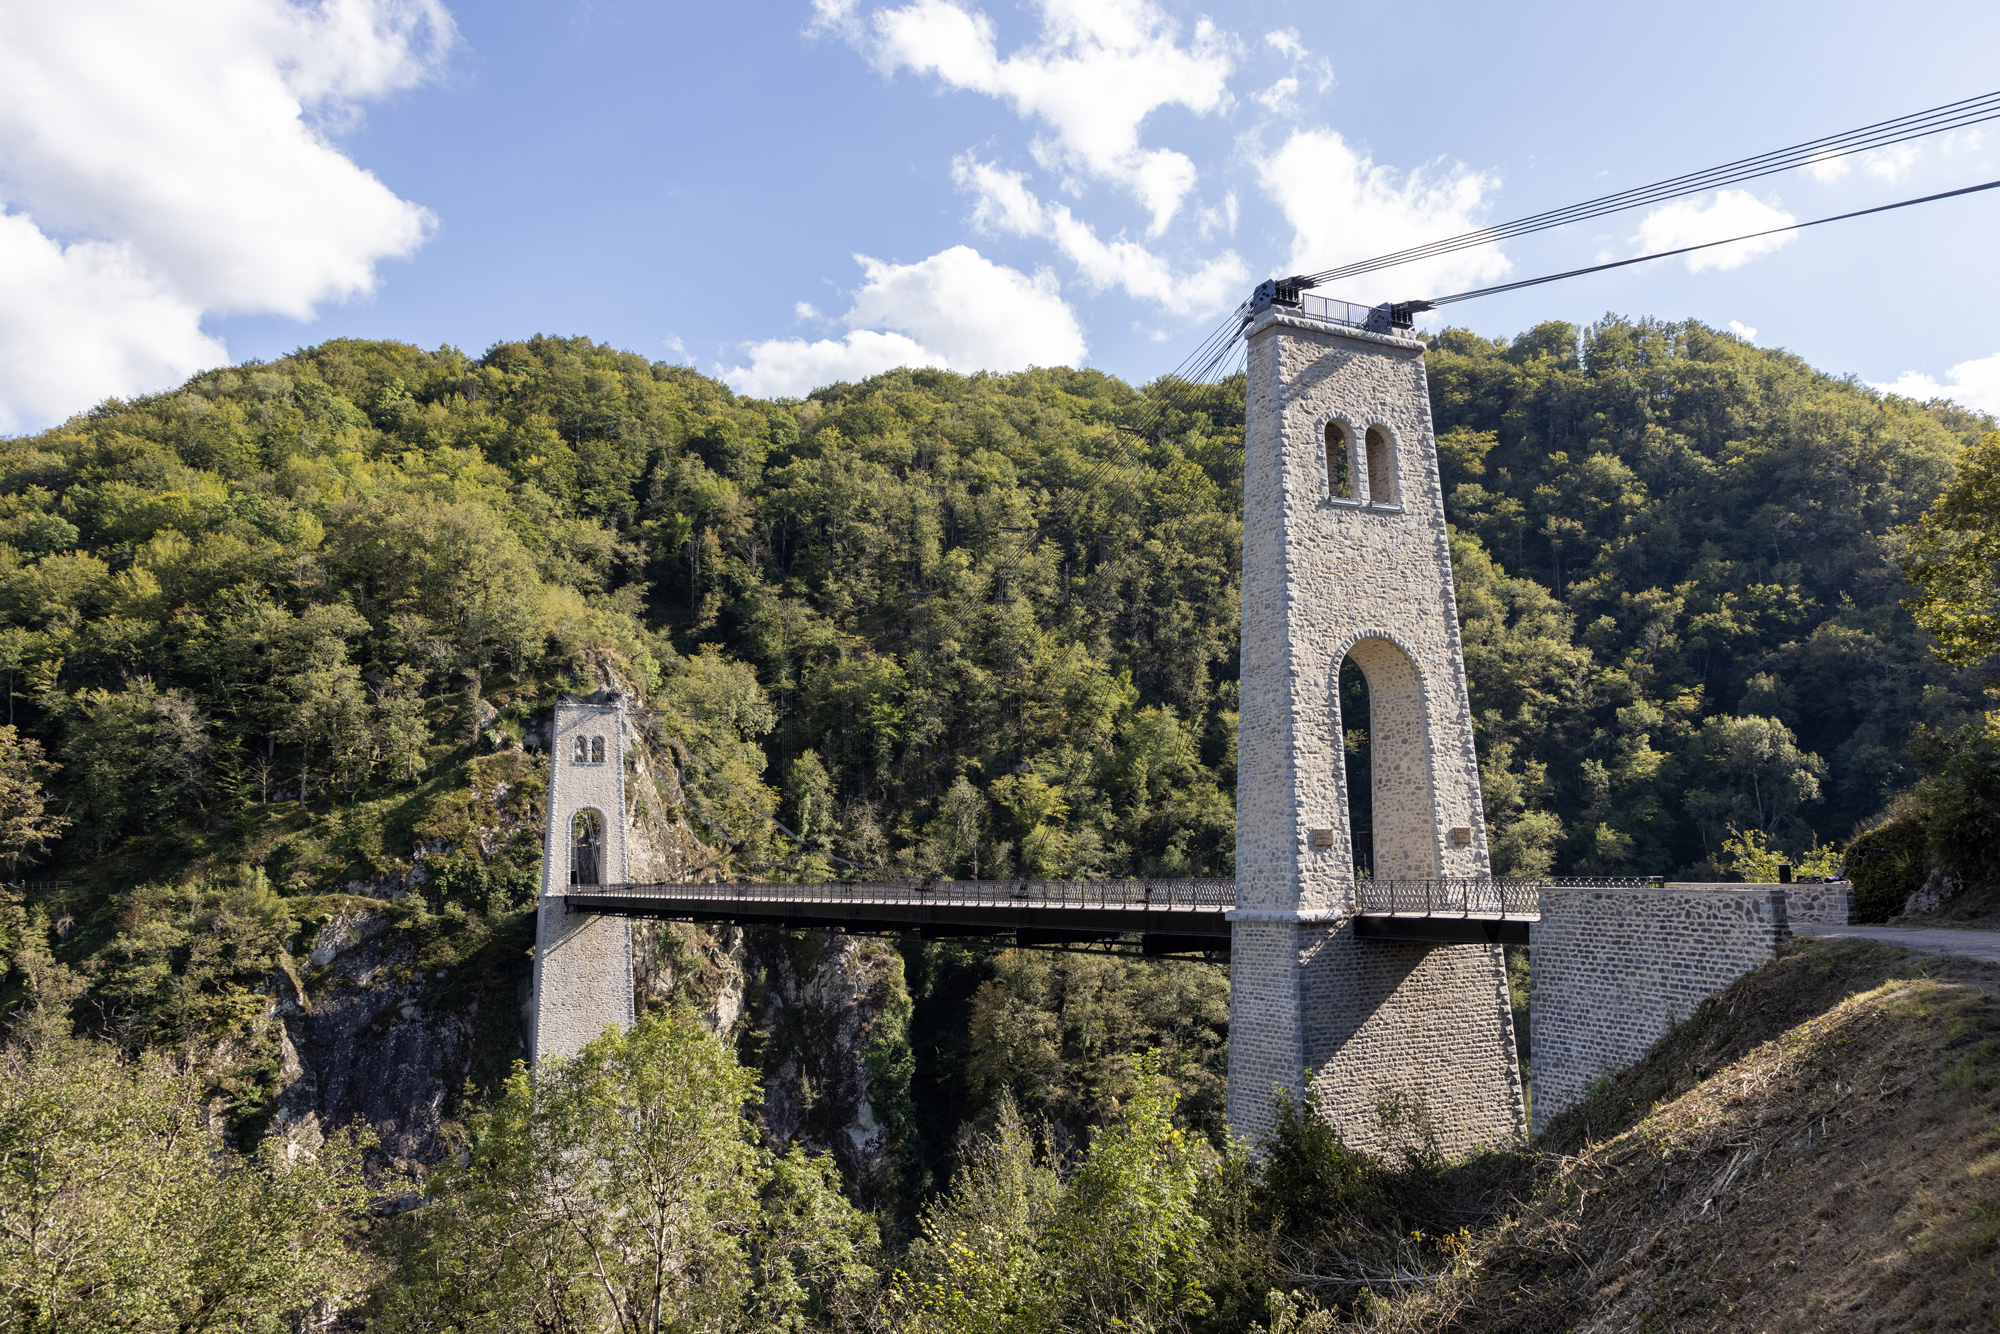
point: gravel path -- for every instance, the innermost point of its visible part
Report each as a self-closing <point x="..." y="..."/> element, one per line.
<point x="1982" y="945"/>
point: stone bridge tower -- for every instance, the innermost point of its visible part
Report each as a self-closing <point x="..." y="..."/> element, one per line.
<point x="1345" y="556"/>
<point x="583" y="961"/>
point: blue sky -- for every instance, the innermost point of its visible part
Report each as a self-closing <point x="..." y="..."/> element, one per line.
<point x="786" y="193"/>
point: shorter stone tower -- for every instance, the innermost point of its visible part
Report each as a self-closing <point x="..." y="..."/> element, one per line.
<point x="1345" y="556"/>
<point x="583" y="961"/>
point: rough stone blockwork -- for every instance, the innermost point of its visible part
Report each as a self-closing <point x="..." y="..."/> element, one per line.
<point x="1613" y="969"/>
<point x="1345" y="555"/>
<point x="1423" y="1026"/>
<point x="583" y="962"/>
<point x="1830" y="904"/>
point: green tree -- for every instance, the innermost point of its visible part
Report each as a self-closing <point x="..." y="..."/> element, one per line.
<point x="978" y="1265"/>
<point x="329" y="717"/>
<point x="1750" y="774"/>
<point x="623" y="1189"/>
<point x="121" y="1207"/>
<point x="27" y="826"/>
<point x="1952" y="557"/>
<point x="1116" y="1246"/>
<point x="1127" y="1238"/>
<point x="401" y="729"/>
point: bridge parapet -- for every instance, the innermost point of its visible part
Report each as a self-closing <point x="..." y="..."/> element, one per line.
<point x="1217" y="892"/>
<point x="1171" y="916"/>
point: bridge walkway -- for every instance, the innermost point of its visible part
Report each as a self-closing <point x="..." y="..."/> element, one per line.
<point x="1163" y="916"/>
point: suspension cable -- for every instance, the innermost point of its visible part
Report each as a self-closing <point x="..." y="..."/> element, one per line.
<point x="1883" y="134"/>
<point x="1705" y="245"/>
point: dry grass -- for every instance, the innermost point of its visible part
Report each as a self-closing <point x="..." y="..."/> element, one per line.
<point x="1817" y="1148"/>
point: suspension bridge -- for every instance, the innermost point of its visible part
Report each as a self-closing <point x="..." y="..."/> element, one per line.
<point x="1364" y="961"/>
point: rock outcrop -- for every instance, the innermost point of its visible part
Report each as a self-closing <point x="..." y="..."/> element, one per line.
<point x="372" y="1034"/>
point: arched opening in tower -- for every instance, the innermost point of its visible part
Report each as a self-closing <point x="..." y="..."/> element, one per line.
<point x="1391" y="798"/>
<point x="1360" y="775"/>
<point x="586" y="849"/>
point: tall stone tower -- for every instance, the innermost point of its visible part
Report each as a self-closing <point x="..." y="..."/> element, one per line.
<point x="583" y="962"/>
<point x="1345" y="555"/>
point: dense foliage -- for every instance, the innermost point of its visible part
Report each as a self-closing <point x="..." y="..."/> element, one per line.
<point x="321" y="581"/>
<point x="122" y="1207"/>
<point x="1691" y="622"/>
<point x="1940" y="836"/>
<point x="624" y="1189"/>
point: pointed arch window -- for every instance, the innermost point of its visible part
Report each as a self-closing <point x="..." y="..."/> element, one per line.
<point x="586" y="848"/>
<point x="588" y="750"/>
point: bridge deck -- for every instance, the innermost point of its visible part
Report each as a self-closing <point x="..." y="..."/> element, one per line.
<point x="1170" y="916"/>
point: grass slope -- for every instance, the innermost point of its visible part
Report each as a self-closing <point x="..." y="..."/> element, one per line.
<point x="1816" y="1147"/>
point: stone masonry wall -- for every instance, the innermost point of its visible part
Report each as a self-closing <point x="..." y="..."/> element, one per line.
<point x="1426" y="1027"/>
<point x="1612" y="969"/>
<point x="1266" y="1033"/>
<point x="1829" y="904"/>
<point x="1326" y="577"/>
<point x="1323" y="577"/>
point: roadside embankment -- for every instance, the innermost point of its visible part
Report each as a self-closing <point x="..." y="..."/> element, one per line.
<point x="1815" y="1147"/>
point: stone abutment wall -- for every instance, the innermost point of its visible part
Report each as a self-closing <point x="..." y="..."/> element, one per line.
<point x="1612" y="969"/>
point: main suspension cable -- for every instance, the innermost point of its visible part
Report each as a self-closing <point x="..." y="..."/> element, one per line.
<point x="1705" y="245"/>
<point x="1883" y="134"/>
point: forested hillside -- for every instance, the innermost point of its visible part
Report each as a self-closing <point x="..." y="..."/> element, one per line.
<point x="280" y="630"/>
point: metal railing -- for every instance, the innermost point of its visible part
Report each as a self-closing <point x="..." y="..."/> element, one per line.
<point x="1604" y="881"/>
<point x="1335" y="311"/>
<point x="1469" y="896"/>
<point x="1215" y="893"/>
<point x="1465" y="896"/>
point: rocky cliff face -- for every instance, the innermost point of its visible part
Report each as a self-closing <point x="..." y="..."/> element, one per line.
<point x="366" y="1039"/>
<point x="380" y="1025"/>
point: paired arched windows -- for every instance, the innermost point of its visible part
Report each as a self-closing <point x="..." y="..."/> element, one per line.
<point x="588" y="750"/>
<point x="586" y="848"/>
<point x="1378" y="457"/>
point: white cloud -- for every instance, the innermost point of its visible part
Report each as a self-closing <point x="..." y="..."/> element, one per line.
<point x="1005" y="204"/>
<point x="1687" y="222"/>
<point x="1098" y="70"/>
<point x="1826" y="169"/>
<point x="85" y="321"/>
<point x="1281" y="98"/>
<point x="1222" y="219"/>
<point x="1976" y="384"/>
<point x="1285" y="41"/>
<point x="1343" y="206"/>
<point x="1889" y="164"/>
<point x="806" y="310"/>
<point x="1278" y="98"/>
<point x="956" y="310"/>
<point x="161" y="162"/>
<point x="1743" y="331"/>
